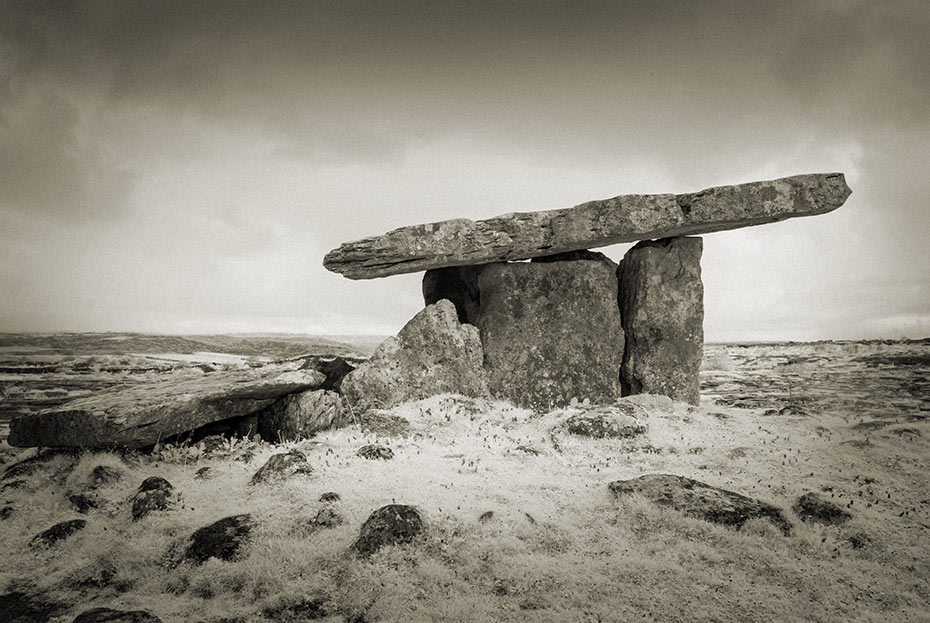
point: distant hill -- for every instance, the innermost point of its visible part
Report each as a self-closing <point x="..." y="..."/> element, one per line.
<point x="277" y="346"/>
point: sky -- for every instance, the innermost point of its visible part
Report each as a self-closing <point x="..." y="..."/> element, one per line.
<point x="183" y="167"/>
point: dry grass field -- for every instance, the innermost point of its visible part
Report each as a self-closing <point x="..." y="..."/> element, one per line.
<point x="520" y="523"/>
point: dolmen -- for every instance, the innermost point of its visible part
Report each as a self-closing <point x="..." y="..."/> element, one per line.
<point x="570" y="323"/>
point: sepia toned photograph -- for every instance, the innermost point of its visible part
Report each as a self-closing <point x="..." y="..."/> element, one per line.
<point x="398" y="311"/>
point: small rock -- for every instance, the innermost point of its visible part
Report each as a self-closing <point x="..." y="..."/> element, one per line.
<point x="326" y="518"/>
<point x="486" y="516"/>
<point x="104" y="475"/>
<point x="282" y="466"/>
<point x="146" y="502"/>
<point x="373" y="452"/>
<point x="58" y="532"/>
<point x="154" y="494"/>
<point x="529" y="450"/>
<point x="221" y="539"/>
<point x="700" y="500"/>
<point x="605" y="422"/>
<point x="813" y="507"/>
<point x="153" y="483"/>
<point x="393" y="524"/>
<point x="82" y="503"/>
<point x="330" y="496"/>
<point x="203" y="473"/>
<point x="109" y="615"/>
<point x="5" y="512"/>
<point x="23" y="468"/>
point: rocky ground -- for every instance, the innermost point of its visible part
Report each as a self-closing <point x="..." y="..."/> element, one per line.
<point x="462" y="509"/>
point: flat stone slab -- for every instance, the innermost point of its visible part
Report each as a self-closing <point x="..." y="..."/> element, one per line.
<point x="141" y="415"/>
<point x="627" y="218"/>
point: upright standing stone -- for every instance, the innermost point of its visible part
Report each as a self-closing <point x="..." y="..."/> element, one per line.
<point x="662" y="306"/>
<point x="551" y="331"/>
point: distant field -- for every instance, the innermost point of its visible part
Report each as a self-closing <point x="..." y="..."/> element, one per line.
<point x="43" y="371"/>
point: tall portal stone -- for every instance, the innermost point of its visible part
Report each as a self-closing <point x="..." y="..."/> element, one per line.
<point x="551" y="331"/>
<point x="662" y="306"/>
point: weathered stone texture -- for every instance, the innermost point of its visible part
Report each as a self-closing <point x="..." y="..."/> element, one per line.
<point x="627" y="218"/>
<point x="662" y="307"/>
<point x="301" y="415"/>
<point x="140" y="415"/>
<point x="700" y="500"/>
<point x="551" y="331"/>
<point x="432" y="354"/>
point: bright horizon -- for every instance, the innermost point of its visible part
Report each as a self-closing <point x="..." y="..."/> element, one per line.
<point x="182" y="169"/>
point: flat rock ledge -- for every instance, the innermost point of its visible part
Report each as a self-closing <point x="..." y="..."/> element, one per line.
<point x="626" y="218"/>
<point x="139" y="416"/>
<point x="700" y="500"/>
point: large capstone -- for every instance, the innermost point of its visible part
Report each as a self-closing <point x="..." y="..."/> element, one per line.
<point x="626" y="218"/>
<point x="662" y="306"/>
<point x="551" y="331"/>
<point x="433" y="354"/>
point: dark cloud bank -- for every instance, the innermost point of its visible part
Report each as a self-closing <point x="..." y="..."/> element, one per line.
<point x="100" y="101"/>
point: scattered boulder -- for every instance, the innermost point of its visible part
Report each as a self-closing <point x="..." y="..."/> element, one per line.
<point x="109" y="615"/>
<point x="593" y="224"/>
<point x="374" y="451"/>
<point x="20" y="607"/>
<point x="662" y="307"/>
<point x="330" y="497"/>
<point x="154" y="483"/>
<point x="608" y="421"/>
<point x="154" y="494"/>
<point x="551" y="332"/>
<point x="221" y="539"/>
<point x="301" y="415"/>
<point x="394" y="524"/>
<point x="813" y="507"/>
<point x="141" y="414"/>
<point x="279" y="467"/>
<point x="58" y="532"/>
<point x="432" y="354"/>
<point x="82" y="503"/>
<point x="700" y="500"/>
<point x="6" y="512"/>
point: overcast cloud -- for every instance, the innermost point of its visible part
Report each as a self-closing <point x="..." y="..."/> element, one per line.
<point x="184" y="166"/>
